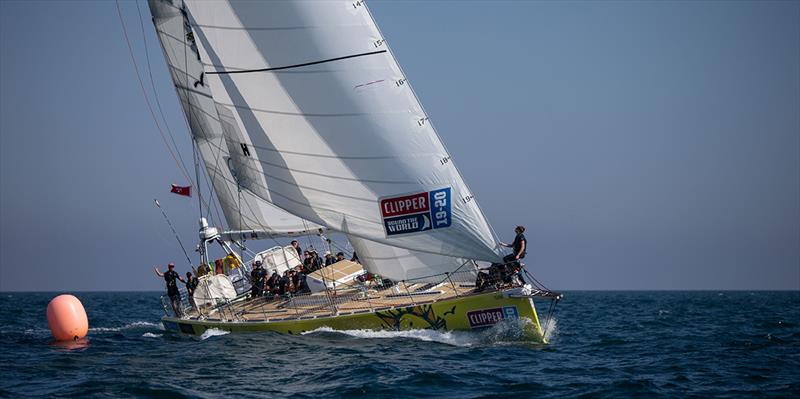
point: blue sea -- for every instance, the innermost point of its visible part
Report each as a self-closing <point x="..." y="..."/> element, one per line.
<point x="603" y="344"/>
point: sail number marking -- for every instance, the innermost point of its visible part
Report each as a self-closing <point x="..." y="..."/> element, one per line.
<point x="468" y="199"/>
<point x="445" y="160"/>
<point x="358" y="4"/>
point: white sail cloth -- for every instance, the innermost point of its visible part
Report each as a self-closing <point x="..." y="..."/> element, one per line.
<point x="401" y="264"/>
<point x="243" y="210"/>
<point x="336" y="130"/>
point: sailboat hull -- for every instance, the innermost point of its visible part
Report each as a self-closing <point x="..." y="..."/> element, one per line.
<point x="473" y="312"/>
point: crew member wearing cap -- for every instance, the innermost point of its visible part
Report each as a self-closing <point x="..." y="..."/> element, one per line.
<point x="171" y="277"/>
<point x="257" y="276"/>
<point x="328" y="258"/>
<point x="519" y="248"/>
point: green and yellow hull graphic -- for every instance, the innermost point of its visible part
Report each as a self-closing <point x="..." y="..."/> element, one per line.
<point x="460" y="313"/>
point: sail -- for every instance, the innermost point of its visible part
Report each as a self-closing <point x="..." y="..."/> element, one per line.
<point x="401" y="264"/>
<point x="244" y="211"/>
<point x="330" y="121"/>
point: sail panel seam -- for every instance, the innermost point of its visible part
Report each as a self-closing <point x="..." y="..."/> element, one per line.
<point x="317" y="173"/>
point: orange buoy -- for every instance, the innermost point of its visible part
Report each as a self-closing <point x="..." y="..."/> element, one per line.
<point x="67" y="318"/>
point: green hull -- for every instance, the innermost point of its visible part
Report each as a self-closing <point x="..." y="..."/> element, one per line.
<point x="461" y="313"/>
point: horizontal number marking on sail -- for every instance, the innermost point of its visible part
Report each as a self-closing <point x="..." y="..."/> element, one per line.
<point x="297" y="65"/>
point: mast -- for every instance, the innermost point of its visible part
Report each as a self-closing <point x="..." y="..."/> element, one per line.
<point x="242" y="210"/>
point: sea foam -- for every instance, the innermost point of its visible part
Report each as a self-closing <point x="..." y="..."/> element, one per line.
<point x="213" y="332"/>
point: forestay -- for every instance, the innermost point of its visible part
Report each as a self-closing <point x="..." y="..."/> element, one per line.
<point x="243" y="210"/>
<point x="330" y="121"/>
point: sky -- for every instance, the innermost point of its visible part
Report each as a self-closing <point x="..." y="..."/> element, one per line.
<point x="644" y="145"/>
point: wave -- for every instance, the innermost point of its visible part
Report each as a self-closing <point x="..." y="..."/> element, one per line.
<point x="509" y="331"/>
<point x="151" y="335"/>
<point x="550" y="329"/>
<point x="444" y="337"/>
<point x="213" y="332"/>
<point x="129" y="326"/>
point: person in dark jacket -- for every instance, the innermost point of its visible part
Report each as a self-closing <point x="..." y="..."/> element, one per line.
<point x="191" y="285"/>
<point x="171" y="278"/>
<point x="519" y="249"/>
<point x="257" y="278"/>
<point x="296" y="246"/>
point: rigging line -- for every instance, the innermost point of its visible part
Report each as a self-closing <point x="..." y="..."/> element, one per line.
<point x="195" y="145"/>
<point x="210" y="201"/>
<point x="329" y="176"/>
<point x="253" y="213"/>
<point x="217" y="168"/>
<point x="144" y="93"/>
<point x="309" y="187"/>
<point x="191" y="110"/>
<point x="175" y="233"/>
<point x="306" y="205"/>
<point x="296" y="65"/>
<point x="306" y="114"/>
<point x="153" y="84"/>
<point x="195" y="150"/>
<point x="436" y="134"/>
<point x="308" y="154"/>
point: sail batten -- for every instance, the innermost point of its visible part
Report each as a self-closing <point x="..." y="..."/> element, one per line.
<point x="354" y="101"/>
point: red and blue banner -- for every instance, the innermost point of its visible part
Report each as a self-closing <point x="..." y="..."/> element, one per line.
<point x="413" y="213"/>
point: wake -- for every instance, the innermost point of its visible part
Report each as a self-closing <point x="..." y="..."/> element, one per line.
<point x="129" y="326"/>
<point x="505" y="332"/>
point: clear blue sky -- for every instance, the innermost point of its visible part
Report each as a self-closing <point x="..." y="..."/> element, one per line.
<point x="645" y="145"/>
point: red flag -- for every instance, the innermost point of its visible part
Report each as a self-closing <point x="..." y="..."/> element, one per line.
<point x="187" y="191"/>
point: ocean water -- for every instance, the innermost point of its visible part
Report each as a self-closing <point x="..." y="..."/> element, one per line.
<point x="603" y="344"/>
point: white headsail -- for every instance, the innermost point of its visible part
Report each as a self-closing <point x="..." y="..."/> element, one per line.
<point x="246" y="213"/>
<point x="332" y="124"/>
<point x="401" y="264"/>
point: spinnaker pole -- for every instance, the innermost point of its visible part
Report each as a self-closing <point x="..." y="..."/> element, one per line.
<point x="175" y="233"/>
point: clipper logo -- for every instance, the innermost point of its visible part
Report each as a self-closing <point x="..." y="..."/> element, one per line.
<point x="416" y="212"/>
<point x="489" y="317"/>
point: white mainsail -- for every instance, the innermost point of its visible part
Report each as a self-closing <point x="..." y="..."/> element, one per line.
<point x="246" y="213"/>
<point x="332" y="124"/>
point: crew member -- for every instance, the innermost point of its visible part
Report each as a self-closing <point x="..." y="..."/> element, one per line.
<point x="171" y="277"/>
<point x="191" y="285"/>
<point x="257" y="276"/>
<point x="296" y="246"/>
<point x="520" y="248"/>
